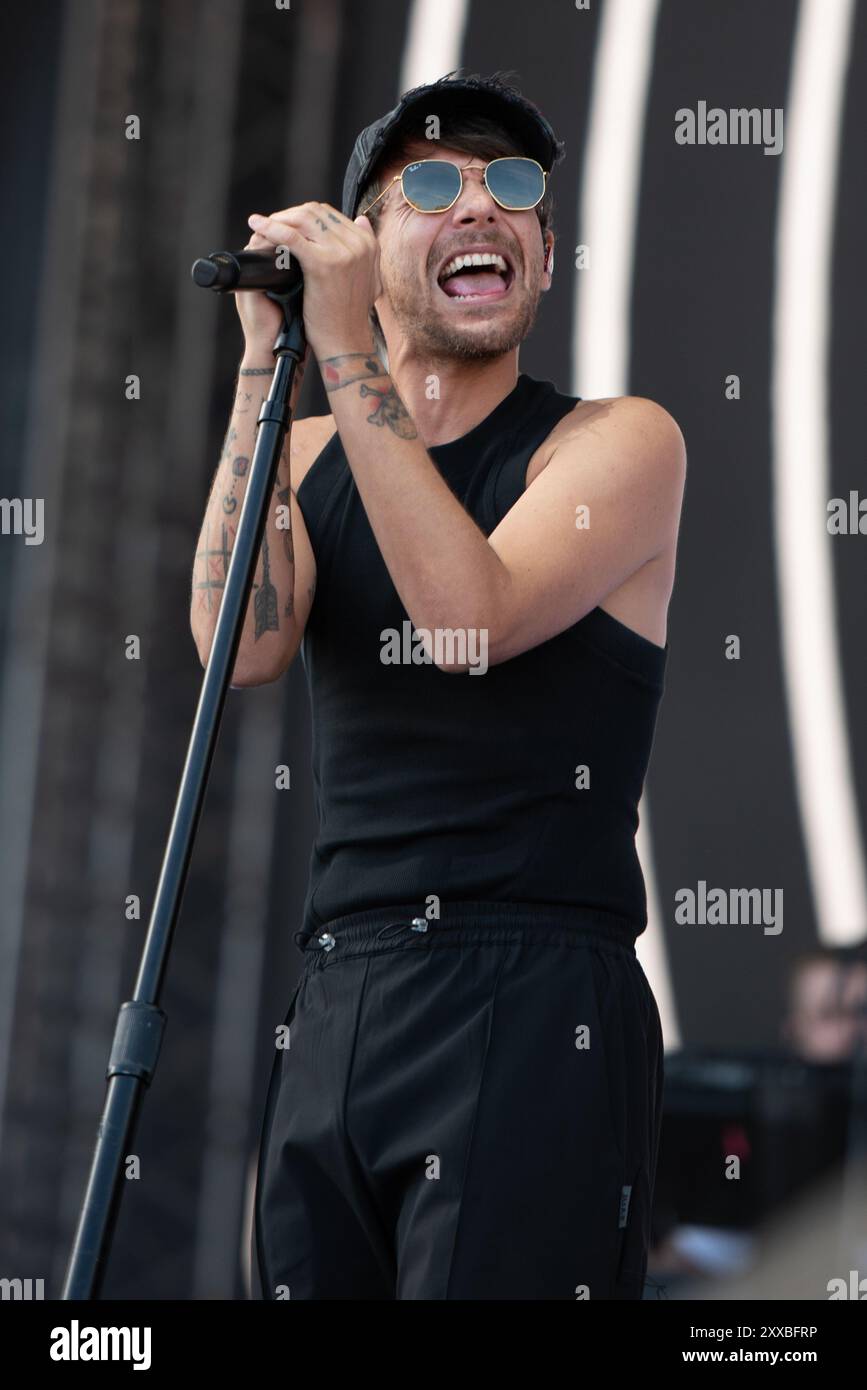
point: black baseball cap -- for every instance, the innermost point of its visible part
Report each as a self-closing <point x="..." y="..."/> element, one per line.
<point x="449" y="98"/>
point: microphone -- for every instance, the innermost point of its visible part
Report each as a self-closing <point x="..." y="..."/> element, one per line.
<point x="226" y="271"/>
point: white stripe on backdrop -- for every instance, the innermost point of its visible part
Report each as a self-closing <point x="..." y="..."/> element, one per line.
<point x="801" y="470"/>
<point x="434" y="41"/>
<point x="602" y="317"/>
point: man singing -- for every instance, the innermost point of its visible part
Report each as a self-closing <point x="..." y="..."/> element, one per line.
<point x="477" y="572"/>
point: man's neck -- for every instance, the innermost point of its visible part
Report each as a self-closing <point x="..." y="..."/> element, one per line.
<point x="448" y="399"/>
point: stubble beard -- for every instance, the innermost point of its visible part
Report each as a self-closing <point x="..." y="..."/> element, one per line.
<point x="433" y="338"/>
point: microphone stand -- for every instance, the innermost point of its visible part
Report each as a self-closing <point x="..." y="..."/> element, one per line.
<point x="141" y="1022"/>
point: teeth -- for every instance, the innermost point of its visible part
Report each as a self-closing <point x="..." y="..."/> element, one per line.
<point x="476" y="258"/>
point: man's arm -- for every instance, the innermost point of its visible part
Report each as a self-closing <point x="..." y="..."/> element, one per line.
<point x="285" y="572"/>
<point x="606" y="503"/>
<point x="538" y="573"/>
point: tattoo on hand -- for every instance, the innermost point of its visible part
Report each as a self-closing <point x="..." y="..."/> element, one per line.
<point x="256" y="371"/>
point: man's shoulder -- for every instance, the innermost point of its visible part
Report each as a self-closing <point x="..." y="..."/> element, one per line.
<point x="312" y="431"/>
<point x="307" y="439"/>
<point x="621" y="416"/>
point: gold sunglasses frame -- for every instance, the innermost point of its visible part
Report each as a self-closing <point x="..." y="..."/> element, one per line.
<point x="434" y="212"/>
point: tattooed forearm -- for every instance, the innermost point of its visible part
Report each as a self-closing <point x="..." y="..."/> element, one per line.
<point x="215" y="566"/>
<point x="349" y="367"/>
<point x="276" y="561"/>
<point x="227" y="445"/>
<point x="390" y="411"/>
<point x="265" y="602"/>
<point x="365" y="366"/>
<point x="239" y="470"/>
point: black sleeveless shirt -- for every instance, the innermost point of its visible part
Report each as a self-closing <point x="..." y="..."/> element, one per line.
<point x="468" y="787"/>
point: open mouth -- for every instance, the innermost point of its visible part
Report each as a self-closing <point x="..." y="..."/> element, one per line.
<point x="475" y="277"/>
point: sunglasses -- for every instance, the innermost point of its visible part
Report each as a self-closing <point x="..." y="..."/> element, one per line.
<point x="434" y="185"/>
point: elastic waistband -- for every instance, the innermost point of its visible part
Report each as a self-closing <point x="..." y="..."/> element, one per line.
<point x="402" y="924"/>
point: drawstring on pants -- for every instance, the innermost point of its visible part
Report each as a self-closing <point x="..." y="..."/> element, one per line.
<point x="324" y="941"/>
<point x="393" y="928"/>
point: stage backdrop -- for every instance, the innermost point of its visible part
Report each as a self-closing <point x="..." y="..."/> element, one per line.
<point x="723" y="280"/>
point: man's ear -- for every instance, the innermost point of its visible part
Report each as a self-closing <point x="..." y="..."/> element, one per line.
<point x="548" y="263"/>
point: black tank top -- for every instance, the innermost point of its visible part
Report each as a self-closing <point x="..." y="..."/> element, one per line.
<point x="467" y="786"/>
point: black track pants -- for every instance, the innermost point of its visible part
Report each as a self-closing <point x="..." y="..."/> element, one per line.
<point x="469" y="1110"/>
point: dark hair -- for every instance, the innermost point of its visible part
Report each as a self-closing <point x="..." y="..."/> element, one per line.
<point x="470" y="134"/>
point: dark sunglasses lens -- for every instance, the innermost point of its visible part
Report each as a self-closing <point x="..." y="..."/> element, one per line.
<point x="518" y="183"/>
<point x="431" y="185"/>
